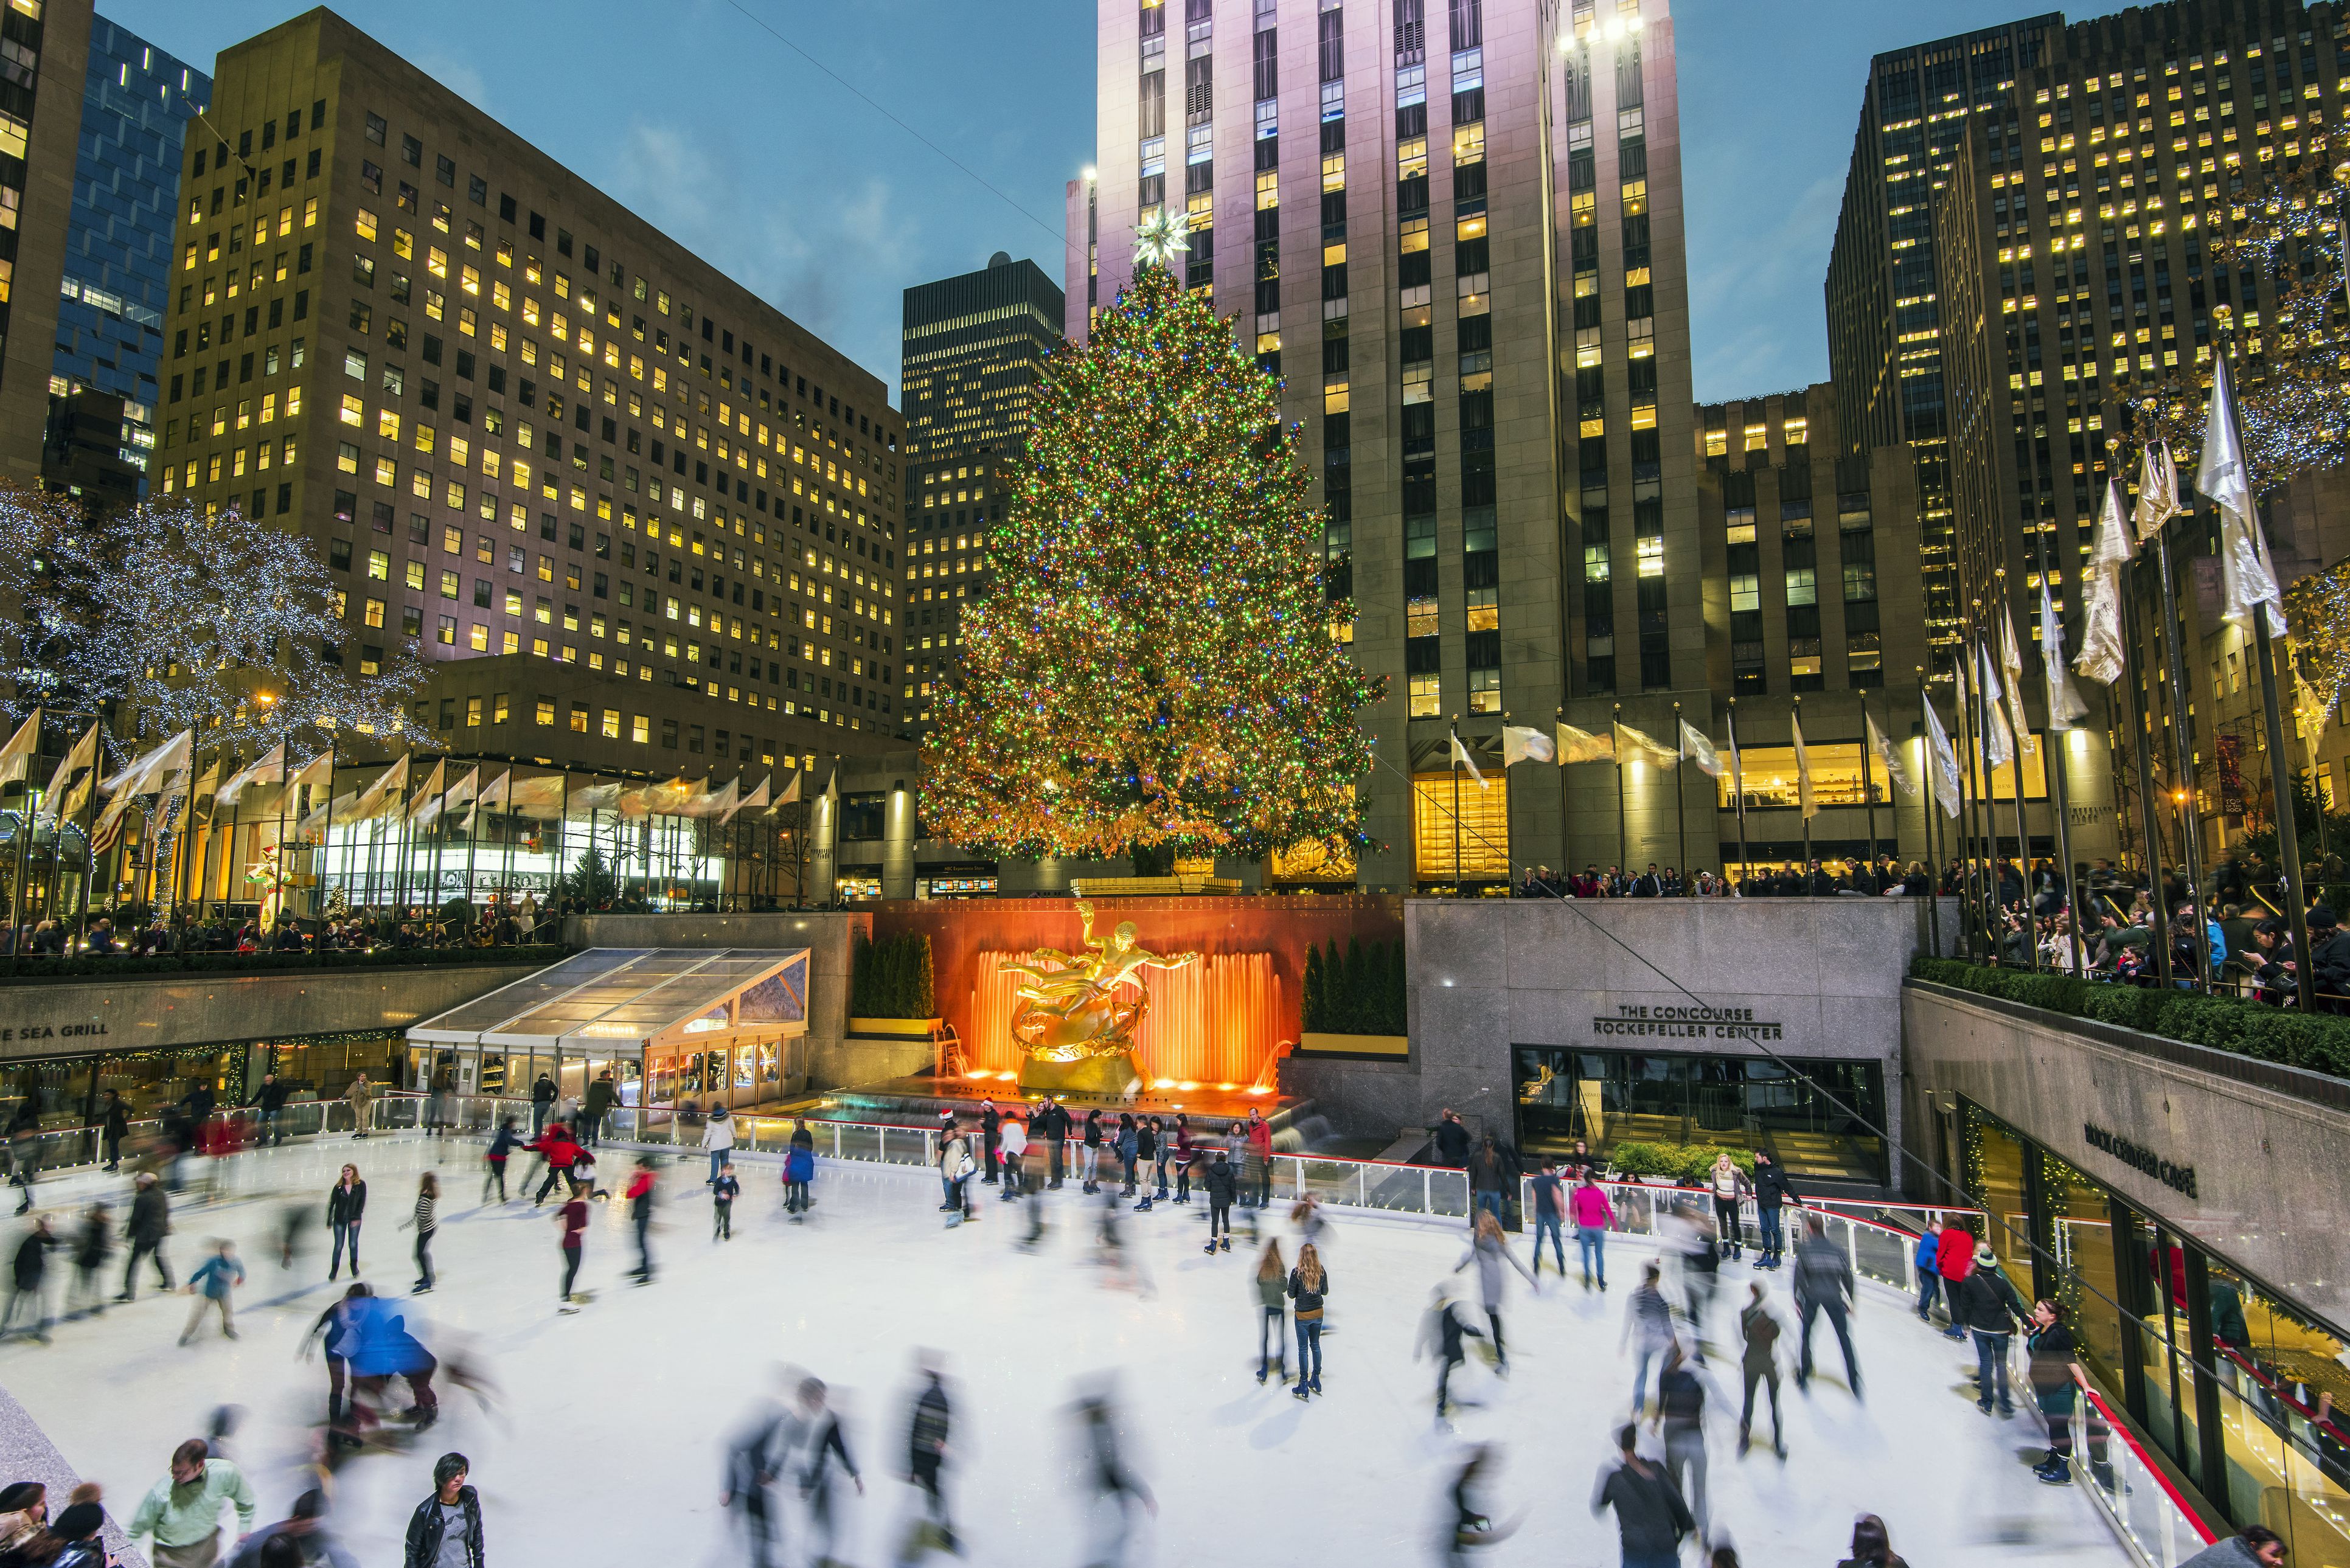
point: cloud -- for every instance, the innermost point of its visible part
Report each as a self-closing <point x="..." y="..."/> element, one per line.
<point x="464" y="79"/>
<point x="827" y="252"/>
<point x="1758" y="315"/>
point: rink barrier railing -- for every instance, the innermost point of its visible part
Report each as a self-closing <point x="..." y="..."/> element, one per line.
<point x="2147" y="1512"/>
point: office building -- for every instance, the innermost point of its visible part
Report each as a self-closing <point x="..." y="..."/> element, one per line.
<point x="1454" y="232"/>
<point x="636" y="516"/>
<point x="1884" y="312"/>
<point x="136" y="103"/>
<point x="973" y="346"/>
<point x="44" y="53"/>
<point x="2067" y="234"/>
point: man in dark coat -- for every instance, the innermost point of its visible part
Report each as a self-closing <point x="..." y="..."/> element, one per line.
<point x="2329" y="953"/>
<point x="1051" y="1125"/>
<point x="1452" y="1139"/>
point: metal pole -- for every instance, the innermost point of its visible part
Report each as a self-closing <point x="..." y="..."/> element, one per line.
<point x="474" y="814"/>
<point x="1453" y="763"/>
<point x="1566" y="840"/>
<point x="1738" y="791"/>
<point x="1973" y="777"/>
<point x="2023" y="837"/>
<point x="2288" y="833"/>
<point x="1933" y="808"/>
<point x="1623" y="841"/>
<point x="1869" y="785"/>
<point x="2183" y="747"/>
<point x="1681" y="790"/>
<point x="2142" y="749"/>
<point x="24" y="822"/>
<point x="284" y="788"/>
<point x="1806" y="874"/>
<point x="2053" y="760"/>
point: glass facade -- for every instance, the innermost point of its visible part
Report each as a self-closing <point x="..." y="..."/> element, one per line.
<point x="137" y="102"/>
<point x="2228" y="1380"/>
<point x="1818" y="1117"/>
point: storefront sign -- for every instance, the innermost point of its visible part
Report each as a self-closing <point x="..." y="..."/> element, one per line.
<point x="1690" y="1022"/>
<point x="2178" y="1177"/>
<point x="51" y="1032"/>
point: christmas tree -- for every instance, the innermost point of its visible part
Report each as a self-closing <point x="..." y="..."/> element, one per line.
<point x="1155" y="663"/>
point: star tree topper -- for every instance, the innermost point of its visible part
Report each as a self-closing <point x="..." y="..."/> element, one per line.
<point x="1163" y="238"/>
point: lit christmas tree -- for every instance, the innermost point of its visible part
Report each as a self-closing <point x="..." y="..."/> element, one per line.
<point x="1155" y="664"/>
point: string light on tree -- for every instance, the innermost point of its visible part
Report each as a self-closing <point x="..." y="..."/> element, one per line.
<point x="1155" y="664"/>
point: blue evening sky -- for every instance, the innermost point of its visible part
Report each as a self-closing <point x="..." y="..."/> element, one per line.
<point x="744" y="151"/>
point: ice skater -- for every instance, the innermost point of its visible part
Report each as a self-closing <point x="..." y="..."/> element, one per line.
<point x="92" y="1245"/>
<point x="1471" y="1529"/>
<point x="336" y="1332"/>
<point x="928" y="1426"/>
<point x="1272" y="1326"/>
<point x="723" y="1193"/>
<point x="150" y="1224"/>
<point x="1222" y="1184"/>
<point x="1012" y="1148"/>
<point x="1648" y="1329"/>
<point x="28" y="1285"/>
<point x="1681" y="1407"/>
<point x="753" y="1458"/>
<point x="1759" y="1363"/>
<point x="1489" y="1250"/>
<point x="799" y="1170"/>
<point x="424" y="1217"/>
<point x="820" y="1444"/>
<point x="1308" y="1284"/>
<point x="210" y="1284"/>
<point x="1443" y="1334"/>
<point x="345" y="1210"/>
<point x="494" y="1167"/>
<point x="1549" y="1194"/>
<point x="571" y="1224"/>
<point x="1117" y="1490"/>
<point x="640" y="1213"/>
<point x="1824" y="1283"/>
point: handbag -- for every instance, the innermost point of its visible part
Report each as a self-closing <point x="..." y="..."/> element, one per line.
<point x="964" y="1168"/>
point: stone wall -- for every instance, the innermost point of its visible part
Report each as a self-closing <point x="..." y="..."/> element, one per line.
<point x="2270" y="1193"/>
<point x="828" y="1057"/>
<point x="1486" y="976"/>
<point x="146" y="1013"/>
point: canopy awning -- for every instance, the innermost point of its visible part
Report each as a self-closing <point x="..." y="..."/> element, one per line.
<point x="609" y="1000"/>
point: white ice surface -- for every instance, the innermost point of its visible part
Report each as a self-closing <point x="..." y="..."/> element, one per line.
<point x="606" y="1445"/>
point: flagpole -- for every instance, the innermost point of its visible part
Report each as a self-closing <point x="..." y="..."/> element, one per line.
<point x="1453" y="763"/>
<point x="433" y="892"/>
<point x="1972" y="780"/>
<point x="2059" y="794"/>
<point x="2142" y="750"/>
<point x="1868" y="787"/>
<point x="1680" y="791"/>
<point x="24" y="823"/>
<point x="2288" y="830"/>
<point x="1738" y="793"/>
<point x="2023" y="737"/>
<point x="284" y="788"/>
<point x="1797" y="720"/>
<point x="89" y="825"/>
<point x="474" y="815"/>
<point x="1623" y="842"/>
<point x="2190" y="826"/>
<point x="1933" y="807"/>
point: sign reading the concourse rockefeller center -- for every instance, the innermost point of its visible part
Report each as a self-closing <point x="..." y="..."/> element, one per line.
<point x="1676" y="1022"/>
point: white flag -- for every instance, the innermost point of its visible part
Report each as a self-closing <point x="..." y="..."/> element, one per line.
<point x="426" y="804"/>
<point x="16" y="757"/>
<point x="462" y="791"/>
<point x="319" y="772"/>
<point x="270" y="768"/>
<point x="589" y="799"/>
<point x="382" y="797"/>
<point x="791" y="796"/>
<point x="2103" y="655"/>
<point x="1998" y="741"/>
<point x="2158" y="490"/>
<point x="1460" y="755"/>
<point x="1885" y="755"/>
<point x="1697" y="749"/>
<point x="2065" y="708"/>
<point x="1581" y="746"/>
<point x="1522" y="744"/>
<point x="146" y="775"/>
<point x="1945" y="763"/>
<point x="2011" y="660"/>
<point x="1803" y="769"/>
<point x="83" y="755"/>
<point x="718" y="803"/>
<point x="757" y="797"/>
<point x="493" y="796"/>
<point x="1632" y="746"/>
<point x="2247" y="579"/>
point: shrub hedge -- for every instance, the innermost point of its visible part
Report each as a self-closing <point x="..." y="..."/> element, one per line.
<point x="2317" y="1042"/>
<point x="1685" y="1162"/>
<point x="115" y="966"/>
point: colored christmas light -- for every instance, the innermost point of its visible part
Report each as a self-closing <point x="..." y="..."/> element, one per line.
<point x="1155" y="664"/>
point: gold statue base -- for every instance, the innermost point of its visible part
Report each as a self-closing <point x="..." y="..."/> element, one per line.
<point x="1108" y="1077"/>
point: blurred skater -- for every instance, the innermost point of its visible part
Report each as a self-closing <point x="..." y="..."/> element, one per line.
<point x="493" y="1162"/>
<point x="29" y="1283"/>
<point x="1443" y="1334"/>
<point x="1759" y="1363"/>
<point x="1471" y="1528"/>
<point x="1648" y="1329"/>
<point x="150" y="1223"/>
<point x="927" y="1429"/>
<point x="640" y="1213"/>
<point x="754" y="1456"/>
<point x="820" y="1444"/>
<point x="1115" y="1489"/>
<point x="1489" y="1250"/>
<point x="92" y="1245"/>
<point x="1824" y="1285"/>
<point x="1011" y="1146"/>
<point x="336" y="1332"/>
<point x="211" y="1284"/>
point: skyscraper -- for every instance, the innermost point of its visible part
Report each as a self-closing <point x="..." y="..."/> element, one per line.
<point x="1458" y="239"/>
<point x="638" y="518"/>
<point x="136" y="104"/>
<point x="44" y="53"/>
<point x="1884" y="320"/>
<point x="973" y="347"/>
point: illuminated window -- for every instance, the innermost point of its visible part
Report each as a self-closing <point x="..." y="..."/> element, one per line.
<point x="1479" y="830"/>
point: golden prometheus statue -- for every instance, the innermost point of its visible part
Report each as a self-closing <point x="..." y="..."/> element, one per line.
<point x="1078" y="1012"/>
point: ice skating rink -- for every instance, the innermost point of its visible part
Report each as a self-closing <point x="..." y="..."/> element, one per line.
<point x="603" y="1443"/>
